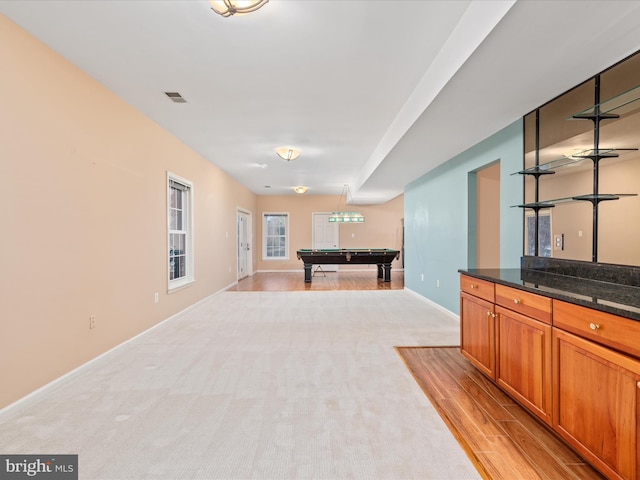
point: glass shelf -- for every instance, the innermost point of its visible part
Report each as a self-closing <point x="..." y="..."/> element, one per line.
<point x="620" y="104"/>
<point x="578" y="157"/>
<point x="601" y="153"/>
<point x="593" y="198"/>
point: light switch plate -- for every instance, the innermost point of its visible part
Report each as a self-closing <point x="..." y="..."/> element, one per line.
<point x="558" y="241"/>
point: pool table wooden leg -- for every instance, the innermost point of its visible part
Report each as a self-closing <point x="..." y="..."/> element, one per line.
<point x="307" y="272"/>
<point x="387" y="272"/>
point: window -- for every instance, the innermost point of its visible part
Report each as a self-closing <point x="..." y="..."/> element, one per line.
<point x="544" y="233"/>
<point x="275" y="236"/>
<point x="180" y="222"/>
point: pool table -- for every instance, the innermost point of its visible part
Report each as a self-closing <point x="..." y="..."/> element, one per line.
<point x="349" y="256"/>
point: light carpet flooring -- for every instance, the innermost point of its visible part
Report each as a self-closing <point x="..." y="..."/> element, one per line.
<point x="255" y="385"/>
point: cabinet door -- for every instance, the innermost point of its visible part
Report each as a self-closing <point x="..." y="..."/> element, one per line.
<point x="596" y="403"/>
<point x="477" y="333"/>
<point x="524" y="361"/>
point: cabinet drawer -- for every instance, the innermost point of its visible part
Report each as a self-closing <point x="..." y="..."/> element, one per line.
<point x="620" y="333"/>
<point x="477" y="287"/>
<point x="529" y="304"/>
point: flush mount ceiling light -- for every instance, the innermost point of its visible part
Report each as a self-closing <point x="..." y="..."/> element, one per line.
<point x="300" y="189"/>
<point x="288" y="153"/>
<point x="226" y="8"/>
<point x="340" y="216"/>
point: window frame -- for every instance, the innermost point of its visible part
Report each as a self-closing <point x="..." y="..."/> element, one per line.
<point x="187" y="230"/>
<point x="545" y="241"/>
<point x="266" y="236"/>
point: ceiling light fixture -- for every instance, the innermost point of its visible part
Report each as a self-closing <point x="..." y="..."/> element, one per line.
<point x="288" y="153"/>
<point x="226" y="8"/>
<point x="340" y="216"/>
<point x="301" y="189"/>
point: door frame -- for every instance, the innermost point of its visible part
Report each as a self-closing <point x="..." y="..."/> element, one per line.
<point x="240" y="250"/>
<point x="328" y="268"/>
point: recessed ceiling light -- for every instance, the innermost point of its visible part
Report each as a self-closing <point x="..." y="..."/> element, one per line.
<point x="300" y="189"/>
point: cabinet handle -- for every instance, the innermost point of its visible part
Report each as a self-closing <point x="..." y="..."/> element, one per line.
<point x="638" y="384"/>
<point x="594" y="326"/>
<point x="473" y="285"/>
<point x="517" y="301"/>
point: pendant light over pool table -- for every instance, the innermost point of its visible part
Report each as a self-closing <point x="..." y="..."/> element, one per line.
<point x="342" y="216"/>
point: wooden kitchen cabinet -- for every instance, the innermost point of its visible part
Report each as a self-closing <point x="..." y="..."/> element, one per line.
<point x="510" y="345"/>
<point x="523" y="348"/>
<point x="477" y="324"/>
<point x="596" y="390"/>
<point x="524" y="361"/>
<point x="576" y="368"/>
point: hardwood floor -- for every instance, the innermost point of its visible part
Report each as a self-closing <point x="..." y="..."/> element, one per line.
<point x="342" y="280"/>
<point x="500" y="437"/>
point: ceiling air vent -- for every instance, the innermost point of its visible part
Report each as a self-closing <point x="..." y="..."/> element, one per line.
<point x="175" y="97"/>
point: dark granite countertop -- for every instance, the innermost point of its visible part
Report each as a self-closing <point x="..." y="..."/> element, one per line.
<point x="616" y="298"/>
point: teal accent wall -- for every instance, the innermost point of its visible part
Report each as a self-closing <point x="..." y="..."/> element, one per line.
<point x="440" y="233"/>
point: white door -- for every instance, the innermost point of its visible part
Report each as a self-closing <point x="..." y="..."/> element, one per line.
<point x="326" y="234"/>
<point x="243" y="244"/>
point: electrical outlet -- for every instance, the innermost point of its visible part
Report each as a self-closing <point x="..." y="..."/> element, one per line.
<point x="155" y="297"/>
<point x="92" y="322"/>
<point x="438" y="283"/>
<point x="422" y="277"/>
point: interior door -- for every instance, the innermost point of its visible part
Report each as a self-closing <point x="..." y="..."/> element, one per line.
<point x="325" y="235"/>
<point x="243" y="244"/>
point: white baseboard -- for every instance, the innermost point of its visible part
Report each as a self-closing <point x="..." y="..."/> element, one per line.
<point x="301" y="270"/>
<point x="53" y="383"/>
<point x="435" y="305"/>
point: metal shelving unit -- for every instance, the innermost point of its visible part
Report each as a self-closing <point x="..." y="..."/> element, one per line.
<point x="611" y="109"/>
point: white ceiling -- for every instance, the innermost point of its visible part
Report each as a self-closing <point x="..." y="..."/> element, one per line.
<point x="374" y="93"/>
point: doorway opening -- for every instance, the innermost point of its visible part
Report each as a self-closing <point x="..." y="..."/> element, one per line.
<point x="484" y="217"/>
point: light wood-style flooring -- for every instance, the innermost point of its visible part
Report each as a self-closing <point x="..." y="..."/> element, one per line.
<point x="502" y="439"/>
<point x="342" y="280"/>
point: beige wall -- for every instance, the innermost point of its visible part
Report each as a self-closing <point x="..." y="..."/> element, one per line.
<point x="84" y="217"/>
<point x="619" y="221"/>
<point x="488" y="215"/>
<point x="382" y="227"/>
